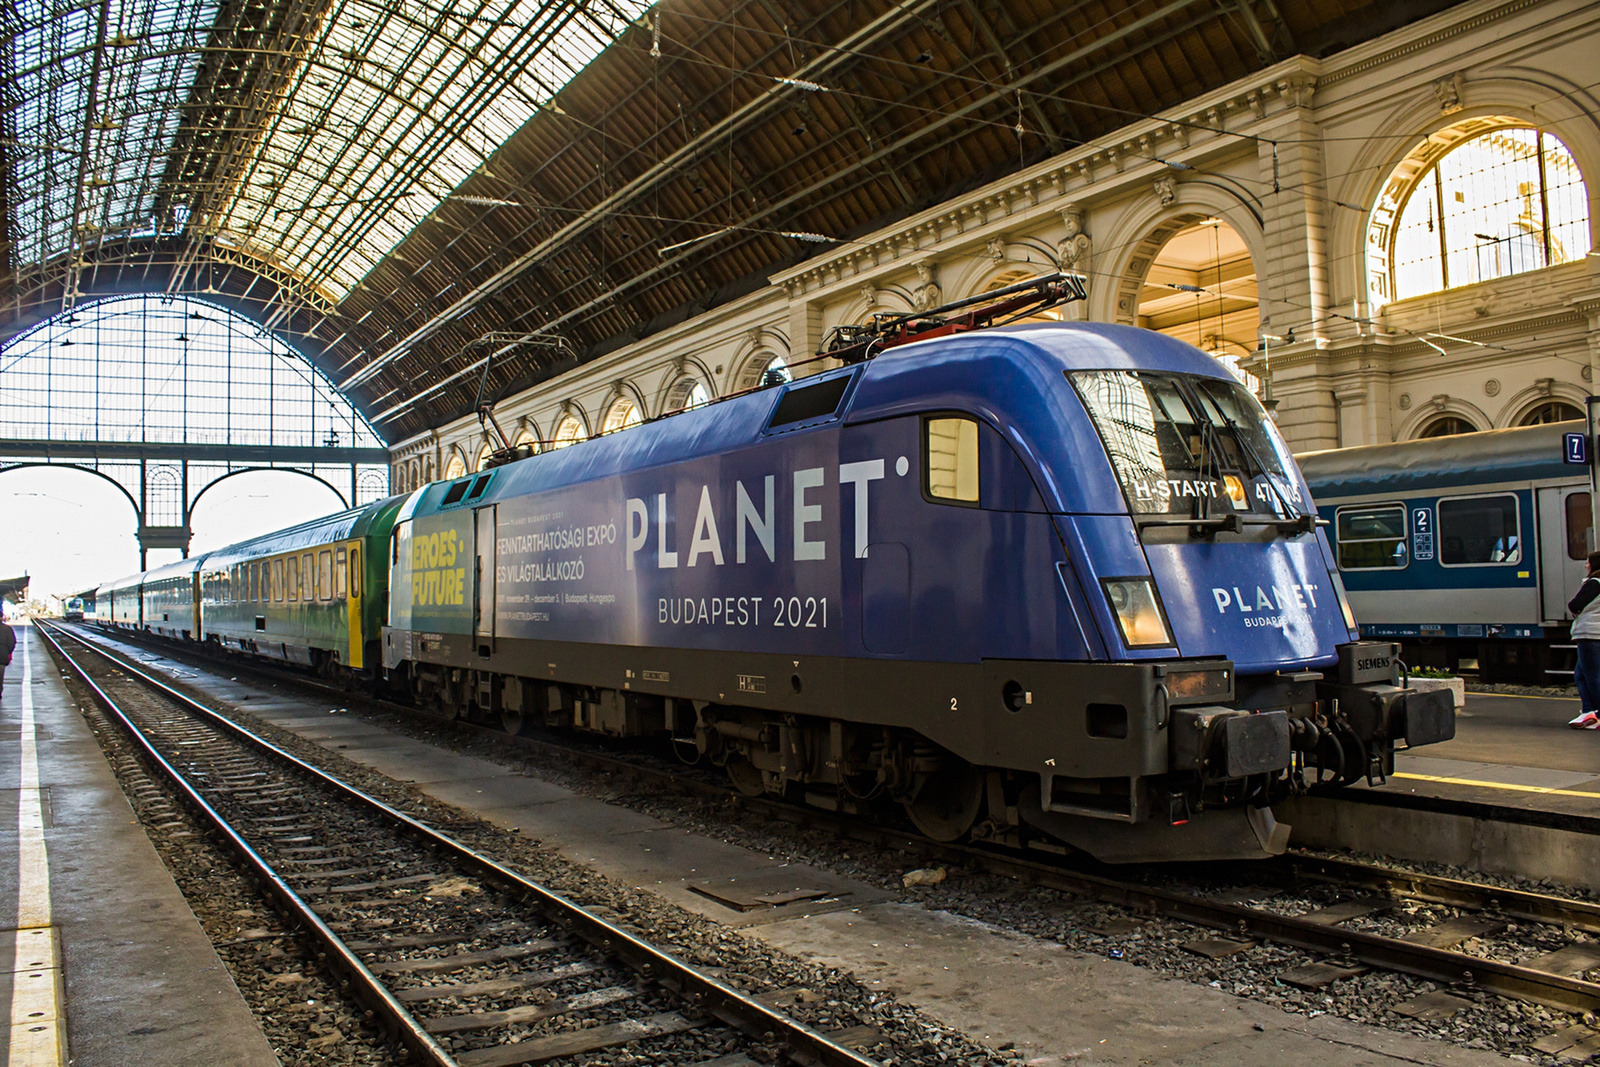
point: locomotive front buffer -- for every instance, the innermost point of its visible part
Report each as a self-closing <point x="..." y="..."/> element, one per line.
<point x="1210" y="740"/>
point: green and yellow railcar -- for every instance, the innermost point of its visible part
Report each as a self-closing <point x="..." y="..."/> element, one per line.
<point x="314" y="594"/>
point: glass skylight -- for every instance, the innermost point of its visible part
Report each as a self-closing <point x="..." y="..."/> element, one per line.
<point x="387" y="106"/>
<point x="127" y="120"/>
<point x="396" y="105"/>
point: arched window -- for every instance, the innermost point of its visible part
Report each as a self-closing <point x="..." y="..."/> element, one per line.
<point x="1551" y="411"/>
<point x="623" y="414"/>
<point x="569" y="431"/>
<point x="1500" y="202"/>
<point x="484" y="453"/>
<point x="757" y="368"/>
<point x="1447" y="426"/>
<point x="528" y="437"/>
<point x="456" y="467"/>
<point x="687" y="393"/>
<point x="414" y="476"/>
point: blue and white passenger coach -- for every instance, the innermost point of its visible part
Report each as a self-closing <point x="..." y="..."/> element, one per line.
<point x="1038" y="581"/>
<point x="1463" y="548"/>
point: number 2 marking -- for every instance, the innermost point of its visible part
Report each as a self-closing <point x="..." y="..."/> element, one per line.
<point x="953" y="706"/>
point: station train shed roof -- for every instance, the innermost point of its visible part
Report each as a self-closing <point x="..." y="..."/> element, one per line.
<point x="403" y="187"/>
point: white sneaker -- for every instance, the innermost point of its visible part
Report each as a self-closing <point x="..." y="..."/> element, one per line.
<point x="1588" y="720"/>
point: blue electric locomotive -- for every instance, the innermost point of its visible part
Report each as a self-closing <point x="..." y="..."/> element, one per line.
<point x="1462" y="548"/>
<point x="1040" y="581"/>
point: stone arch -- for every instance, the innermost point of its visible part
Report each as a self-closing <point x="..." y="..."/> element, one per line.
<point x="428" y="468"/>
<point x="527" y="433"/>
<point x="1018" y="260"/>
<point x="1547" y="390"/>
<point x="571" y="427"/>
<point x="749" y="373"/>
<point x="626" y="408"/>
<point x="414" y="475"/>
<point x="195" y="503"/>
<point x="1508" y="97"/>
<point x="678" y="387"/>
<point x="485" y="450"/>
<point x="1439" y="407"/>
<point x="456" y="465"/>
<point x="1139" y="236"/>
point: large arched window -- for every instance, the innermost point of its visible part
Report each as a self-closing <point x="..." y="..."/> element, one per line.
<point x="1473" y="208"/>
<point x="168" y="370"/>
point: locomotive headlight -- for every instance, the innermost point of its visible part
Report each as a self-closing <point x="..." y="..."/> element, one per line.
<point x="1344" y="603"/>
<point x="1138" y="612"/>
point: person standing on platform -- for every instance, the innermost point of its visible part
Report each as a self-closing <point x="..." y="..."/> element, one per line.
<point x="1585" y="608"/>
<point x="8" y="641"/>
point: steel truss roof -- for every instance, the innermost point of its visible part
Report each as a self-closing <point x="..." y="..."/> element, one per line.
<point x="391" y="182"/>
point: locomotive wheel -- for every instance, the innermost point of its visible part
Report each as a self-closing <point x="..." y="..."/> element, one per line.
<point x="946" y="806"/>
<point x="745" y="776"/>
<point x="511" y="721"/>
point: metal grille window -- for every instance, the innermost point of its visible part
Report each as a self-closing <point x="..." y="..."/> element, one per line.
<point x="1479" y="530"/>
<point x="1501" y="203"/>
<point x="1371" y="538"/>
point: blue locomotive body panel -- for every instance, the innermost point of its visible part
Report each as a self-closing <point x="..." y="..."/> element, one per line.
<point x="720" y="530"/>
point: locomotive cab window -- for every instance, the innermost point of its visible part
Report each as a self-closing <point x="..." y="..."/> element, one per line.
<point x="1372" y="537"/>
<point x="1477" y="531"/>
<point x="950" y="459"/>
<point x="455" y="493"/>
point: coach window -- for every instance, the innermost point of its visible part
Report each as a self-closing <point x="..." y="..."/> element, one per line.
<point x="338" y="574"/>
<point x="277" y="580"/>
<point x="1580" y="526"/>
<point x="294" y="578"/>
<point x="1372" y="537"/>
<point x="1479" y="530"/>
<point x="308" y="577"/>
<point x="951" y="459"/>
<point x="325" y="574"/>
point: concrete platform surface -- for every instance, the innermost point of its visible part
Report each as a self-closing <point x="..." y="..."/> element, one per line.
<point x="143" y="984"/>
<point x="1055" y="1004"/>
<point x="1512" y="751"/>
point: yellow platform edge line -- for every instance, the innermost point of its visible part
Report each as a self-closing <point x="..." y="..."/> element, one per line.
<point x="1545" y="790"/>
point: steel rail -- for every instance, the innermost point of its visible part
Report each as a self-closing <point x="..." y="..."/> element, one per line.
<point x="1454" y="892"/>
<point x="805" y="1045"/>
<point x="400" y="1021"/>
<point x="1439" y="965"/>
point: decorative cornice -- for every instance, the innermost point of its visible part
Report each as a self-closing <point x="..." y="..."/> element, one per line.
<point x="1418" y="44"/>
<point x="1133" y="154"/>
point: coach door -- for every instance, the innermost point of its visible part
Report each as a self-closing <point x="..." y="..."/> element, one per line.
<point x="483" y="597"/>
<point x="1566" y="537"/>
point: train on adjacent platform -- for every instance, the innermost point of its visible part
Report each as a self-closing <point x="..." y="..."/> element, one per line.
<point x="1464" y="549"/>
<point x="1055" y="582"/>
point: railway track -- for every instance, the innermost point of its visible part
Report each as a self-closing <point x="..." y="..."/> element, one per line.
<point x="464" y="961"/>
<point x="1351" y="916"/>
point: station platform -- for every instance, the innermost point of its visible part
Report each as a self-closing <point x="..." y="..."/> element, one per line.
<point x="1514" y="752"/>
<point x="107" y="963"/>
<point x="1516" y="792"/>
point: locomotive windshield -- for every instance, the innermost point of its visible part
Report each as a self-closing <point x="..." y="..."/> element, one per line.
<point x="1188" y="446"/>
